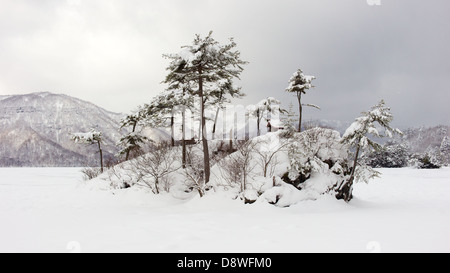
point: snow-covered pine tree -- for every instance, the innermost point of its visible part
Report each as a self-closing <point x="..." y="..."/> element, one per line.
<point x="90" y="138"/>
<point x="264" y="109"/>
<point x="226" y="90"/>
<point x="182" y="90"/>
<point x="298" y="84"/>
<point x="160" y="111"/>
<point x="432" y="158"/>
<point x="357" y="136"/>
<point x="207" y="64"/>
<point x="132" y="141"/>
<point x="289" y="122"/>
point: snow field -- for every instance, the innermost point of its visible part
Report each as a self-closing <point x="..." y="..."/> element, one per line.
<point x="52" y="210"/>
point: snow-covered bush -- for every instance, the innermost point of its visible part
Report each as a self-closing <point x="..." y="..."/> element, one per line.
<point x="432" y="158"/>
<point x="389" y="156"/>
<point x="316" y="150"/>
<point x="426" y="162"/>
<point x="318" y="162"/>
<point x="90" y="173"/>
<point x="314" y="153"/>
<point x="249" y="171"/>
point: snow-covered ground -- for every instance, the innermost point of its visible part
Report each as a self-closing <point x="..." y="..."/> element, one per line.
<point x="52" y="210"/>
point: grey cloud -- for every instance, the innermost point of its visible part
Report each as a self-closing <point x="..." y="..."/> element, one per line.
<point x="109" y="52"/>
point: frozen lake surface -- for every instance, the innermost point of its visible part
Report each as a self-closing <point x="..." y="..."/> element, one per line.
<point x="53" y="210"/>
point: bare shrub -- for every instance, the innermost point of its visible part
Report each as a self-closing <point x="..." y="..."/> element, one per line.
<point x="90" y="173"/>
<point x="155" y="166"/>
<point x="267" y="156"/>
<point x="194" y="170"/>
<point x="121" y="176"/>
<point x="238" y="166"/>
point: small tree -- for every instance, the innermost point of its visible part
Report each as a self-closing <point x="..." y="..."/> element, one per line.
<point x="181" y="88"/>
<point x="225" y="91"/>
<point x="159" y="112"/>
<point x="207" y="64"/>
<point x="289" y="122"/>
<point x="264" y="109"/>
<point x="90" y="138"/>
<point x="357" y="136"/>
<point x="267" y="156"/>
<point x="131" y="142"/>
<point x="298" y="84"/>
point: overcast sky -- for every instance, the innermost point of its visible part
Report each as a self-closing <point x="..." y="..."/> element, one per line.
<point x="109" y="52"/>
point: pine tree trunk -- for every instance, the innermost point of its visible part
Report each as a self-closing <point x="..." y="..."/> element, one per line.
<point x="172" y="130"/>
<point x="258" y="121"/>
<point x="101" y="156"/>
<point x="231" y="142"/>
<point x="215" y="123"/>
<point x="355" y="163"/>
<point x="128" y="152"/>
<point x="245" y="180"/>
<point x="346" y="190"/>
<point x="217" y="114"/>
<point x="156" y="185"/>
<point x="183" y="136"/>
<point x="206" y="165"/>
<point x="300" y="108"/>
<point x="247" y="125"/>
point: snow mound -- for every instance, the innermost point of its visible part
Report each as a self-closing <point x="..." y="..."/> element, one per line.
<point x="266" y="169"/>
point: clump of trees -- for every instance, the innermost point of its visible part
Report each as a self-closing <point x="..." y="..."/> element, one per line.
<point x="201" y="76"/>
<point x="388" y="156"/>
<point x="409" y="151"/>
<point x="265" y="109"/>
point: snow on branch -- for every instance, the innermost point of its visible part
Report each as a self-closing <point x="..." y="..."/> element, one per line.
<point x="312" y="105"/>
<point x="87" y="138"/>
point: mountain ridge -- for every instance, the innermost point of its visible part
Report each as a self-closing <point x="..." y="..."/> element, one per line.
<point x="36" y="127"/>
<point x="35" y="131"/>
